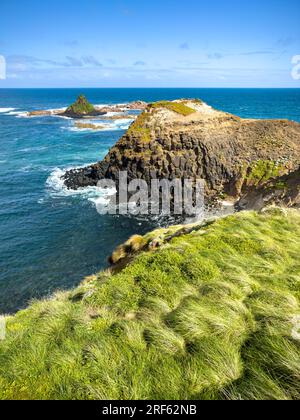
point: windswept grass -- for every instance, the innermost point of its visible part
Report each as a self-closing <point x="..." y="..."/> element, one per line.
<point x="206" y="316"/>
<point x="139" y="127"/>
<point x="178" y="107"/>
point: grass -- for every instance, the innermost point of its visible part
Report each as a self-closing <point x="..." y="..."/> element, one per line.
<point x="178" y="107"/>
<point x="139" y="128"/>
<point x="208" y="315"/>
<point x="264" y="170"/>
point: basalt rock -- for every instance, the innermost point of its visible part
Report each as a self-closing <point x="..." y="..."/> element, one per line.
<point x="189" y="139"/>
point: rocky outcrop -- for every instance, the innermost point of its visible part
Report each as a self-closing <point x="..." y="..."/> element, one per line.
<point x="189" y="139"/>
<point x="89" y="126"/>
<point x="81" y="109"/>
<point x="45" y="113"/>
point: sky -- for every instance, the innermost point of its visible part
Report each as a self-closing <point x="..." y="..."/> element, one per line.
<point x="149" y="43"/>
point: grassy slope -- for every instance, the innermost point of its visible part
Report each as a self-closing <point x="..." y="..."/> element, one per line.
<point x="178" y="107"/>
<point x="139" y="126"/>
<point x="207" y="316"/>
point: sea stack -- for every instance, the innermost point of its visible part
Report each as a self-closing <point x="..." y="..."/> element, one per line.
<point x="81" y="109"/>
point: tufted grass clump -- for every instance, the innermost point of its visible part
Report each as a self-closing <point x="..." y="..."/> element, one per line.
<point x="209" y="315"/>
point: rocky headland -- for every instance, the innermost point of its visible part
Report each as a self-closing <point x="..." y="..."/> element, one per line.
<point x="237" y="157"/>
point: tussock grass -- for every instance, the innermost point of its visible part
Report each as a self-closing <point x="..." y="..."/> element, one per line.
<point x="206" y="316"/>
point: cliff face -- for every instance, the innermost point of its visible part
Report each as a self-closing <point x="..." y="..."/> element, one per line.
<point x="189" y="139"/>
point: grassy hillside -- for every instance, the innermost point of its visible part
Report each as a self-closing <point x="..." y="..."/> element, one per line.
<point x="206" y="316"/>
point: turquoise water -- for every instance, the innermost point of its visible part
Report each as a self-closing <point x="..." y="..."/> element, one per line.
<point x="50" y="239"/>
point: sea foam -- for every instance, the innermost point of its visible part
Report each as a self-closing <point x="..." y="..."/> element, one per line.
<point x="117" y="125"/>
<point x="56" y="188"/>
<point x="5" y="110"/>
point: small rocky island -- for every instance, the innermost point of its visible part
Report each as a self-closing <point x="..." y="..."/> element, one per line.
<point x="238" y="158"/>
<point x="82" y="109"/>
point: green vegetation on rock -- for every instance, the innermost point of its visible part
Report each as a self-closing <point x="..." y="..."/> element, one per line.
<point x="264" y="170"/>
<point x="178" y="107"/>
<point x="81" y="107"/>
<point x="139" y="127"/>
<point x="209" y="315"/>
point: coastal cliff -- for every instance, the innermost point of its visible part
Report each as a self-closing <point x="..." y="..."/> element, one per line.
<point x="189" y="139"/>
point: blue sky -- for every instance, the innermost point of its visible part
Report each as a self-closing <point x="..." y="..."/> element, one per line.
<point x="149" y="43"/>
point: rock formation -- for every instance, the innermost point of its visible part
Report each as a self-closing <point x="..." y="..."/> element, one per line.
<point x="89" y="126"/>
<point x="189" y="139"/>
<point x="81" y="109"/>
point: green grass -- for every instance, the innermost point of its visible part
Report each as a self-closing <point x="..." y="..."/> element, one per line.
<point x="178" y="107"/>
<point x="264" y="170"/>
<point x="139" y="128"/>
<point x="206" y="316"/>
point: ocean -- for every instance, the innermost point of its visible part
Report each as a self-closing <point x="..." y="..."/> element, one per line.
<point x="51" y="238"/>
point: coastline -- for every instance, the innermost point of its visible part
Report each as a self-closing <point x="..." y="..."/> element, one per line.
<point x="38" y="146"/>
